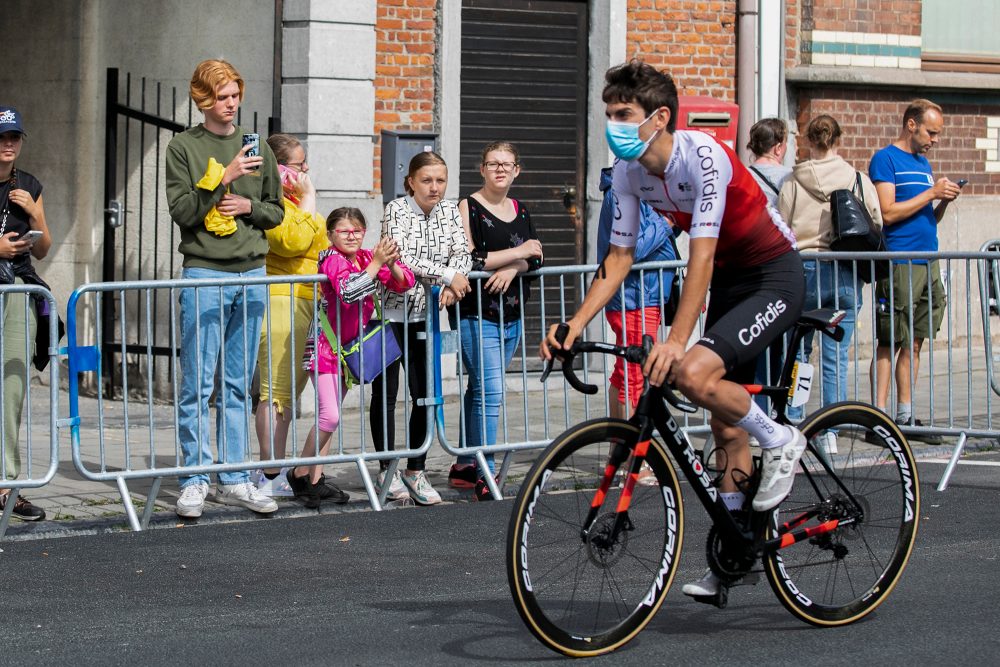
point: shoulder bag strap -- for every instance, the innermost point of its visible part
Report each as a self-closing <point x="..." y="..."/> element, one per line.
<point x="860" y="187"/>
<point x="765" y="179"/>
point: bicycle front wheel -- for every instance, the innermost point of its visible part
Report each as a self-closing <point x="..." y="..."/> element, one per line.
<point x="838" y="577"/>
<point x="588" y="595"/>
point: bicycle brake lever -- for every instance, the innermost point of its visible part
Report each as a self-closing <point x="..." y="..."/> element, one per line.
<point x="560" y="335"/>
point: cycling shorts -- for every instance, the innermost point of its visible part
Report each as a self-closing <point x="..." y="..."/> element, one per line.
<point x="748" y="308"/>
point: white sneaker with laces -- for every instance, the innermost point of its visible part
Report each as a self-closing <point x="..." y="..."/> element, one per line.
<point x="778" y="471"/>
<point x="420" y="489"/>
<point x="274" y="488"/>
<point x="245" y="494"/>
<point x="192" y="500"/>
<point x="397" y="490"/>
<point x="707" y="585"/>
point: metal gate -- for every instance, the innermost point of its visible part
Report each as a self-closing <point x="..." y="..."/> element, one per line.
<point x="140" y="240"/>
<point x="524" y="80"/>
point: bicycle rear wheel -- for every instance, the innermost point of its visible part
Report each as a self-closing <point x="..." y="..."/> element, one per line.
<point x="584" y="597"/>
<point x="838" y="578"/>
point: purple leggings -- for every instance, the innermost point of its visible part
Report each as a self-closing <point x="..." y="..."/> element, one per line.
<point x="329" y="401"/>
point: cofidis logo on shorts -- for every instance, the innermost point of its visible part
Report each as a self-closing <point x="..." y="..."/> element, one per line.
<point x="763" y="320"/>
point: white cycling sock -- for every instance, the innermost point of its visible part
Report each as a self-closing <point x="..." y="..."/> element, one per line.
<point x="734" y="500"/>
<point x="769" y="433"/>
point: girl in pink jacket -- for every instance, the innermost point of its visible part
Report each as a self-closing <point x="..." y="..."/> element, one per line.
<point x="354" y="274"/>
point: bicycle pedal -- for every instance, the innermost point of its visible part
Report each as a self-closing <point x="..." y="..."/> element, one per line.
<point x="720" y="599"/>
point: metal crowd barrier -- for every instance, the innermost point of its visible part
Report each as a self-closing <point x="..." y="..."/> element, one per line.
<point x="17" y="364"/>
<point x="134" y="435"/>
<point x="947" y="394"/>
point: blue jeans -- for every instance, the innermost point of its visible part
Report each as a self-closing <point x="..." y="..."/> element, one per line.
<point x="834" y="288"/>
<point x="484" y="393"/>
<point x="211" y="322"/>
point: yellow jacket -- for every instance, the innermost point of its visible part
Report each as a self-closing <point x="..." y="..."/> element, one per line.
<point x="295" y="245"/>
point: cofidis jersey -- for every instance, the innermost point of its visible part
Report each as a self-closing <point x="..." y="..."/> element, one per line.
<point x="707" y="192"/>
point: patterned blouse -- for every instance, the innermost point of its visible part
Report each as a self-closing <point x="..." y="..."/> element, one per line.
<point x="434" y="246"/>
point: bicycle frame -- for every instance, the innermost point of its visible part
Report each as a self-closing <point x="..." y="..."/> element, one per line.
<point x="652" y="411"/>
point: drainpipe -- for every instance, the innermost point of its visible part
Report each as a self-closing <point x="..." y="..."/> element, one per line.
<point x="746" y="74"/>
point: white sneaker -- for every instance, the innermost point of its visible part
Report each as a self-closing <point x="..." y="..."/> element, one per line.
<point x="420" y="489"/>
<point x="245" y="495"/>
<point x="397" y="490"/>
<point x="778" y="471"/>
<point x="274" y="488"/>
<point x="192" y="500"/>
<point x="706" y="586"/>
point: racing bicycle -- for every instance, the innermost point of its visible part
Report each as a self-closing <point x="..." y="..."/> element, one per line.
<point x="591" y="553"/>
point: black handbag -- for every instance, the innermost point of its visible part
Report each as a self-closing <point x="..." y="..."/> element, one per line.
<point x="855" y="231"/>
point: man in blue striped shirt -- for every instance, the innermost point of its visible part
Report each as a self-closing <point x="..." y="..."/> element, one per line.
<point x="907" y="192"/>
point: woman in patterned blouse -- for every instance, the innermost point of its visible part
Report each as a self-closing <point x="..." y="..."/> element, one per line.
<point x="428" y="230"/>
<point x="504" y="241"/>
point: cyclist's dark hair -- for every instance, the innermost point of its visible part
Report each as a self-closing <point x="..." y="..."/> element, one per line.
<point x="823" y="132"/>
<point x="765" y="134"/>
<point x="635" y="81"/>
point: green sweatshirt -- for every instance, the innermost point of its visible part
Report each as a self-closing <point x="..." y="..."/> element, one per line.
<point x="187" y="161"/>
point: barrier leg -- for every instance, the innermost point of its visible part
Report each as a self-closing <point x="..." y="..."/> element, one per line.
<point x="147" y="513"/>
<point x="959" y="446"/>
<point x="490" y="481"/>
<point x="373" y="496"/>
<point x="8" y="511"/>
<point x="133" y="519"/>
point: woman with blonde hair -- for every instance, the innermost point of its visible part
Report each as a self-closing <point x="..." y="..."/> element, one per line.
<point x="294" y="248"/>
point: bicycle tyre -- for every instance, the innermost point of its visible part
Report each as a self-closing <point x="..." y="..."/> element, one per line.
<point x="577" y="597"/>
<point x="837" y="581"/>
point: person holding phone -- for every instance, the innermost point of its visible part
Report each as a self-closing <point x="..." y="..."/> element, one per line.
<point x="907" y="192"/>
<point x="223" y="202"/>
<point x="23" y="236"/>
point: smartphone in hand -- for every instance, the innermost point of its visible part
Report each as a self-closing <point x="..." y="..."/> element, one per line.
<point x="962" y="182"/>
<point x="30" y="236"/>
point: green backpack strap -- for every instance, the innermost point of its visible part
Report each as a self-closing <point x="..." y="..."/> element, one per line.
<point x="331" y="338"/>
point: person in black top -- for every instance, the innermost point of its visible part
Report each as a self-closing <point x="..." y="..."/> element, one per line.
<point x="21" y="211"/>
<point x="504" y="241"/>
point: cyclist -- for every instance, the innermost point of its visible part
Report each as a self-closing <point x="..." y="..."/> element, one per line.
<point x="738" y="245"/>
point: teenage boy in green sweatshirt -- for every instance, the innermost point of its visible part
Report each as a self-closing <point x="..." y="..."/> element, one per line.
<point x="222" y="200"/>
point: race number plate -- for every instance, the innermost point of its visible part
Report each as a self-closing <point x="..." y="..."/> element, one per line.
<point x="802" y="379"/>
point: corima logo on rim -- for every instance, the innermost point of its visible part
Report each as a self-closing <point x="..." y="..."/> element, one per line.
<point x="747" y="335"/>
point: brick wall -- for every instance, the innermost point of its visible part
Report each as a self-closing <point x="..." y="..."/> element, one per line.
<point x="404" y="69"/>
<point x="871" y="119"/>
<point x="694" y="41"/>
<point x="900" y="17"/>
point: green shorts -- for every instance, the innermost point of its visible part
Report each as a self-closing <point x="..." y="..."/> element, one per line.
<point x="927" y="303"/>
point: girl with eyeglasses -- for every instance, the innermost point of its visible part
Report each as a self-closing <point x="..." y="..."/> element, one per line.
<point x="504" y="241"/>
<point x="354" y="273"/>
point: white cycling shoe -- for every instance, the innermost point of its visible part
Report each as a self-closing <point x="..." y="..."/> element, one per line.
<point x="707" y="586"/>
<point x="778" y="471"/>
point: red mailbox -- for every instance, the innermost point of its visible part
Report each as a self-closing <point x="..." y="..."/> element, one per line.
<point x="706" y="114"/>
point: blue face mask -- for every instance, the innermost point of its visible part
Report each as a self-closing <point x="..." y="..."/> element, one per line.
<point x="623" y="138"/>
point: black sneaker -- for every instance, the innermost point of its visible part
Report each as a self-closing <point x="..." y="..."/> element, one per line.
<point x="482" y="491"/>
<point x="926" y="438"/>
<point x="303" y="489"/>
<point x="463" y="476"/>
<point x="23" y="508"/>
<point x="330" y="491"/>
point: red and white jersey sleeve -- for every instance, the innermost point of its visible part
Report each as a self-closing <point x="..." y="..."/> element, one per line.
<point x="707" y="192"/>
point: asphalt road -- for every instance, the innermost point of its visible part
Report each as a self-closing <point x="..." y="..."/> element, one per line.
<point x="420" y="586"/>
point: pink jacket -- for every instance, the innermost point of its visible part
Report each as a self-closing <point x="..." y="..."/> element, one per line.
<point x="354" y="315"/>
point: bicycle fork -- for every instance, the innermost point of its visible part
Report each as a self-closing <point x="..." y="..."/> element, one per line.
<point x="619" y="455"/>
